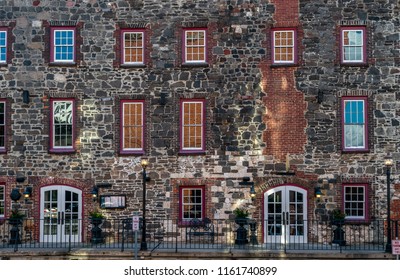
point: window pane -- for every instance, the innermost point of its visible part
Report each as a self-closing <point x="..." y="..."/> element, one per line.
<point x="354" y="201"/>
<point x="195" y="46"/>
<point x="192" y="130"/>
<point x="354" y="123"/>
<point x="132" y="126"/>
<point x="3" y="46"/>
<point x="353" y="45"/>
<point x="192" y="203"/>
<point x="133" y="47"/>
<point x="63" y="45"/>
<point x="62" y="123"/>
<point x="283" y="46"/>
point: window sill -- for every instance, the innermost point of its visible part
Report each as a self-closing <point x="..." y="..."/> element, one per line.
<point x="356" y="222"/>
<point x="354" y="64"/>
<point x="278" y="65"/>
<point x="195" y="64"/>
<point x="190" y="153"/>
<point x="128" y="153"/>
<point x="128" y="66"/>
<point x="355" y="151"/>
<point x="63" y="64"/>
<point x="62" y="151"/>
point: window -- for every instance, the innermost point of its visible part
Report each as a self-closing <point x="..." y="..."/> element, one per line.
<point x="62" y="125"/>
<point x="133" y="47"/>
<point x="191" y="202"/>
<point x="2" y="125"/>
<point x="2" y="201"/>
<point x="132" y="126"/>
<point x="284" y="46"/>
<point x="353" y="45"/>
<point x="3" y="46"/>
<point x="192" y="125"/>
<point x="195" y="46"/>
<point x="354" y="123"/>
<point x="62" y="45"/>
<point x="355" y="202"/>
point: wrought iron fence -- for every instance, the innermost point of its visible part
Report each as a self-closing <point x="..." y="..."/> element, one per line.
<point x="177" y="235"/>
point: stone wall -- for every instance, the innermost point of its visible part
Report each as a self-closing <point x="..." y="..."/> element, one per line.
<point x="261" y="121"/>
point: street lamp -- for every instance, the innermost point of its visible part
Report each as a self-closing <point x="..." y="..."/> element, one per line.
<point x="143" y="245"/>
<point x="388" y="164"/>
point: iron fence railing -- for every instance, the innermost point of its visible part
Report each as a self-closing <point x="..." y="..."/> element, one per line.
<point x="177" y="235"/>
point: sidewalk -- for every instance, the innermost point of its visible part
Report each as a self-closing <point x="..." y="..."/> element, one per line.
<point x="185" y="254"/>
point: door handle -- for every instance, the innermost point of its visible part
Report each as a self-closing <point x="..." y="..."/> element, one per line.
<point x="62" y="218"/>
<point x="58" y="218"/>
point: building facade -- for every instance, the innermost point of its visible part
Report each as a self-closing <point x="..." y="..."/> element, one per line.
<point x="297" y="95"/>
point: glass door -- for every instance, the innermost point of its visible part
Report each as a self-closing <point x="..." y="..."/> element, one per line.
<point x="60" y="214"/>
<point x="285" y="215"/>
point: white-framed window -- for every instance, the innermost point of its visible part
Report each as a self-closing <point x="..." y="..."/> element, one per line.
<point x="355" y="201"/>
<point x="353" y="45"/>
<point x="3" y="46"/>
<point x="2" y="201"/>
<point x="63" y="44"/>
<point x="132" y="126"/>
<point x="62" y="124"/>
<point x="2" y="125"/>
<point x="284" y="45"/>
<point x="191" y="202"/>
<point x="132" y="47"/>
<point x="195" y="46"/>
<point x="192" y="125"/>
<point x="354" y="114"/>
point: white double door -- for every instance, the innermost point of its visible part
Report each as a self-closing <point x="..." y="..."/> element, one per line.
<point x="285" y="212"/>
<point x="60" y="214"/>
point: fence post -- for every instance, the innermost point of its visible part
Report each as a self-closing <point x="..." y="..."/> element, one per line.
<point x="70" y="233"/>
<point x="176" y="236"/>
<point x="123" y="236"/>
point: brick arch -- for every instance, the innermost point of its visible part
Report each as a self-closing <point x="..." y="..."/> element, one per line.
<point x="271" y="182"/>
<point x="38" y="182"/>
<point x="264" y="184"/>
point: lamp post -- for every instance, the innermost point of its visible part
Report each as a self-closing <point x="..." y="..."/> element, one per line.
<point x="143" y="245"/>
<point x="388" y="164"/>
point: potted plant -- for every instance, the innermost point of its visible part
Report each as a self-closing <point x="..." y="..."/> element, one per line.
<point x="338" y="233"/>
<point x="241" y="213"/>
<point x="338" y="216"/>
<point x="96" y="218"/>
<point x="15" y="219"/>
<point x="241" y="218"/>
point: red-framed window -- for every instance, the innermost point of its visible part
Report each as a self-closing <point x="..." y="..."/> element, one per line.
<point x="191" y="203"/>
<point x="354" y="123"/>
<point x="2" y="200"/>
<point x="353" y="45"/>
<point x="133" y="49"/>
<point x="63" y="44"/>
<point x="192" y="136"/>
<point x="195" y="45"/>
<point x="3" y="45"/>
<point x="355" y="201"/>
<point x="284" y="46"/>
<point x="62" y="125"/>
<point x="3" y="125"/>
<point x="132" y="126"/>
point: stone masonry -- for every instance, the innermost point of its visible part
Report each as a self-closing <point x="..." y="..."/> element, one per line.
<point x="276" y="125"/>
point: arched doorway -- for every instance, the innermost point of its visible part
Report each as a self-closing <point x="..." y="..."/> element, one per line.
<point x="60" y="214"/>
<point x="285" y="215"/>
